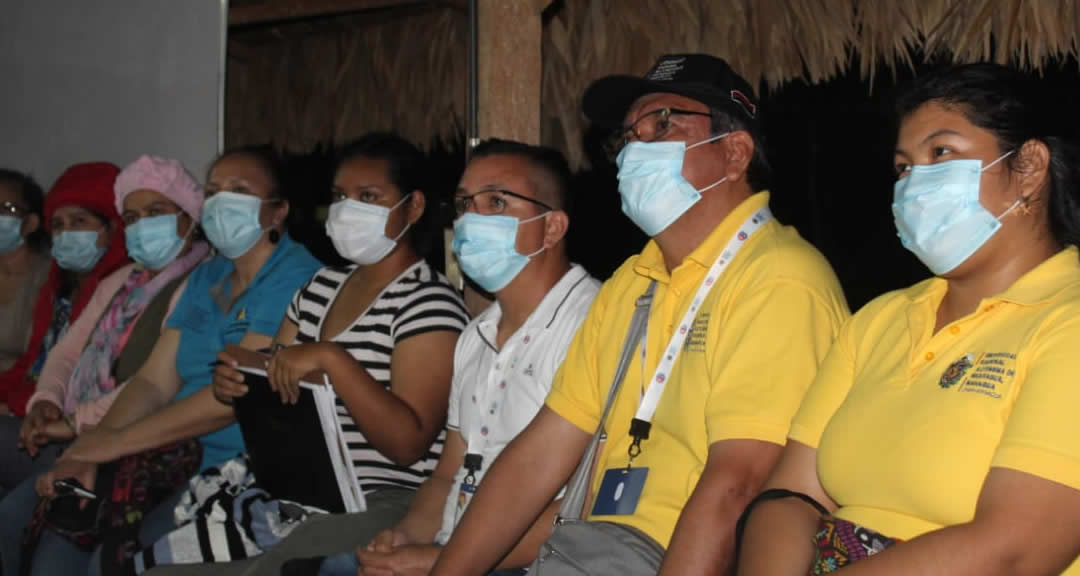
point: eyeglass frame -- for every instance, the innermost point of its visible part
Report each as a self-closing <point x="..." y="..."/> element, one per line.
<point x="468" y="198"/>
<point x="12" y="209"/>
<point x="620" y="137"/>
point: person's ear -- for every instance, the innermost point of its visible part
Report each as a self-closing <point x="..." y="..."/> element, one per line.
<point x="738" y="151"/>
<point x="416" y="205"/>
<point x="557" y="224"/>
<point x="1033" y="170"/>
<point x="280" y="214"/>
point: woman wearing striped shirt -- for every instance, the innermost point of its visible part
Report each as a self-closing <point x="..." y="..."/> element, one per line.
<point x="383" y="329"/>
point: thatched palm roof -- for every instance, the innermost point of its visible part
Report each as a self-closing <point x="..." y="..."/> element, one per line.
<point x="403" y="65"/>
<point x="774" y="41"/>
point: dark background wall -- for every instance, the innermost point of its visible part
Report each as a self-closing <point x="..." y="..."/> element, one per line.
<point x="831" y="149"/>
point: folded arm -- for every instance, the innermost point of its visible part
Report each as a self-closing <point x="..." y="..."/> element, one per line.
<point x="786" y="524"/>
<point x="517" y="490"/>
<point x="704" y="537"/>
<point x="424" y="519"/>
<point x="151" y="422"/>
<point x="1024" y="526"/>
<point x="420" y="374"/>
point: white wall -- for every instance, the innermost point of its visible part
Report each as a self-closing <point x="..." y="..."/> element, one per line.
<point x="86" y="80"/>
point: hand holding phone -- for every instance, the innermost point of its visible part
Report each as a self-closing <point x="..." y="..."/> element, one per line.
<point x="66" y="486"/>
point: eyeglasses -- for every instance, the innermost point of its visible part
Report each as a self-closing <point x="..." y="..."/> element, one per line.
<point x="649" y="127"/>
<point x="11" y="209"/>
<point x="489" y="202"/>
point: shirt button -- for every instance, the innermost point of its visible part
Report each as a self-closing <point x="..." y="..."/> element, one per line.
<point x="677" y="291"/>
<point x="954" y="330"/>
<point x="929" y="356"/>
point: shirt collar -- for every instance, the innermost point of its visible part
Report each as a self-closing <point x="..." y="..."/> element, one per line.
<point x="1043" y="282"/>
<point x="1038" y="285"/>
<point x="219" y="290"/>
<point x="545" y="313"/>
<point x="650" y="262"/>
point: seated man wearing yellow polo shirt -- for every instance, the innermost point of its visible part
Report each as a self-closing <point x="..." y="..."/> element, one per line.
<point x="742" y="311"/>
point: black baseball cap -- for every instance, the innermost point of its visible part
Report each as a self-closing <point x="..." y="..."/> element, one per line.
<point x="704" y="78"/>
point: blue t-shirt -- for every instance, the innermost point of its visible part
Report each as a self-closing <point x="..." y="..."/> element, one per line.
<point x="205" y="328"/>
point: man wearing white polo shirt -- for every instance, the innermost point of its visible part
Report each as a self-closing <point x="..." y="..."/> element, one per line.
<point x="509" y="235"/>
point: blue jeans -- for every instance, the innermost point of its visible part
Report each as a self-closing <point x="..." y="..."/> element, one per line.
<point x="16" y="511"/>
<point x="156" y="524"/>
<point x="18" y="497"/>
<point x="54" y="554"/>
<point x="344" y="564"/>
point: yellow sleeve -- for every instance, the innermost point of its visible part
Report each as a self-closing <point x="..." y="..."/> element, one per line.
<point x="575" y="393"/>
<point x="766" y="354"/>
<point x="830" y="388"/>
<point x="1042" y="435"/>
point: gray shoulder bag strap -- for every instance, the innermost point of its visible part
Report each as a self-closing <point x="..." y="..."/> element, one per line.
<point x="576" y="491"/>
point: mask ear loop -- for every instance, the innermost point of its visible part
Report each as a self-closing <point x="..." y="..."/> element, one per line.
<point x="526" y="221"/>
<point x="1011" y="208"/>
<point x="1023" y="203"/>
<point x="407" y="223"/>
<point x="706" y="141"/>
<point x="713" y="185"/>
<point x="710" y="139"/>
<point x="191" y="228"/>
<point x="999" y="159"/>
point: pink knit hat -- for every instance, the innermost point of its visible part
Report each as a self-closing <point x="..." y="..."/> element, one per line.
<point x="163" y="175"/>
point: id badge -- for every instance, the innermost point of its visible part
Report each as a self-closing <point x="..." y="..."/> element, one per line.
<point x="464" y="495"/>
<point x="619" y="491"/>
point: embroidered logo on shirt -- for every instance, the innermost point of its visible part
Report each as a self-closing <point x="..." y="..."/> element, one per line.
<point x="993" y="371"/>
<point x="242" y="314"/>
<point x="955" y="372"/>
<point x="695" y="341"/>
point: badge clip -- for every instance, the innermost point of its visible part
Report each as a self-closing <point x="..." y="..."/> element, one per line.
<point x="639" y="429"/>
<point x="472" y="465"/>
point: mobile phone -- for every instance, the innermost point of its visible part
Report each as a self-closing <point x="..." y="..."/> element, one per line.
<point x="70" y="486"/>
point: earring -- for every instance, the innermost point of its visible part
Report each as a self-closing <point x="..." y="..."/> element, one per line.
<point x="1025" y="206"/>
<point x="275" y="236"/>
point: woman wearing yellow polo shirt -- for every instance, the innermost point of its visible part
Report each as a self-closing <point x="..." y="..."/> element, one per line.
<point x="942" y="435"/>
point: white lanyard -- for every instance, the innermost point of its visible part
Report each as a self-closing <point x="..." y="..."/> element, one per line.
<point x="642" y="422"/>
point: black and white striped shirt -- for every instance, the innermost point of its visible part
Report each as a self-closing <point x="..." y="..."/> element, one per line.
<point x="420" y="300"/>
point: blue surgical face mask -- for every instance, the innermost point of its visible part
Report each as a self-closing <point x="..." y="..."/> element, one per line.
<point x="654" y="192"/>
<point x="484" y="246"/>
<point x="10" y="233"/>
<point x="231" y="222"/>
<point x="938" y="214"/>
<point x="77" y="250"/>
<point x="153" y="241"/>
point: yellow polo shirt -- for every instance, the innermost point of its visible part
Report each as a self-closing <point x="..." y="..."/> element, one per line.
<point x="753" y="350"/>
<point x="908" y="424"/>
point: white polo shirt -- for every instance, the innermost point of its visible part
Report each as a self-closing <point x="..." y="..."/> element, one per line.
<point x="496" y="393"/>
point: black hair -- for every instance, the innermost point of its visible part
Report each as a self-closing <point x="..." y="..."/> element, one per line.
<point x="407" y="170"/>
<point x="269" y="162"/>
<point x="33" y="199"/>
<point x="547" y="160"/>
<point x="1009" y="104"/>
<point x="758" y="173"/>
